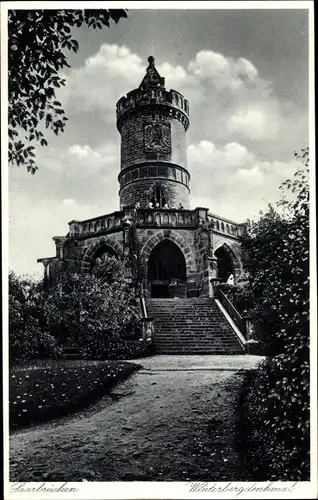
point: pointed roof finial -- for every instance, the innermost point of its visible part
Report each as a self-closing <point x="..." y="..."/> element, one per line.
<point x="152" y="77"/>
<point x="151" y="61"/>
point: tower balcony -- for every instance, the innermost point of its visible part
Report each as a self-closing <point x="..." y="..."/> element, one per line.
<point x="154" y="218"/>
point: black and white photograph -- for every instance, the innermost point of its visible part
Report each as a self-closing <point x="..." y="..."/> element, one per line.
<point x="159" y="271"/>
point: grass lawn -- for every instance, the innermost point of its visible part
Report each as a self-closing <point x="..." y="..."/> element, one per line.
<point x="47" y="389"/>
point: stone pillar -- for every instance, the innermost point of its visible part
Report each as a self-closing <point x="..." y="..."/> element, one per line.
<point x="127" y="222"/>
<point x="249" y="327"/>
<point x="45" y="278"/>
<point x="59" y="243"/>
<point x="213" y="278"/>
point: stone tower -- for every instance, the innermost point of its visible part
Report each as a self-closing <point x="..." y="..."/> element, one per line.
<point x="172" y="250"/>
<point x="152" y="123"/>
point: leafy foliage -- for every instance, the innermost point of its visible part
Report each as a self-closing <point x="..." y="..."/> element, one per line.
<point x="275" y="411"/>
<point x="275" y="419"/>
<point x="276" y="257"/>
<point x="28" y="336"/>
<point x="240" y="295"/>
<point x="44" y="392"/>
<point x="96" y="313"/>
<point x="90" y="310"/>
<point x="37" y="41"/>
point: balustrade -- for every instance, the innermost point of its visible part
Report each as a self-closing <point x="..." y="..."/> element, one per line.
<point x="232" y="312"/>
<point x="225" y="226"/>
<point x="166" y="217"/>
<point x="160" y="217"/>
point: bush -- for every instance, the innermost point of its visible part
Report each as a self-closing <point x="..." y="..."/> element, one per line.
<point x="95" y="312"/>
<point x="127" y="349"/>
<point x="275" y="406"/>
<point x="28" y="336"/>
<point x="275" y="420"/>
<point x="41" y="393"/>
<point x="88" y="310"/>
<point x="240" y="295"/>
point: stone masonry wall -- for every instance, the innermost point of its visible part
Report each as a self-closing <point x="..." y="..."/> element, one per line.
<point x="77" y="249"/>
<point x="139" y="191"/>
<point x="132" y="141"/>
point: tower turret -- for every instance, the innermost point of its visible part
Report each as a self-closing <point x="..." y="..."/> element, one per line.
<point x="152" y="123"/>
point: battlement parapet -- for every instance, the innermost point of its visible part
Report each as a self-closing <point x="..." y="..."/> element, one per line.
<point x="177" y="105"/>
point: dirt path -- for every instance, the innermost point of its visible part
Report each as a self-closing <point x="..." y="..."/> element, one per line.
<point x="172" y="421"/>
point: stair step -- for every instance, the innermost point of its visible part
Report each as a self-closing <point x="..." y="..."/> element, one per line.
<point x="190" y="326"/>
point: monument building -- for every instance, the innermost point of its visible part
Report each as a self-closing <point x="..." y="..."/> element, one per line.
<point x="172" y="250"/>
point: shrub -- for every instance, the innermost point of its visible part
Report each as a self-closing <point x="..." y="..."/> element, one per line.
<point x="240" y="295"/>
<point x="123" y="349"/>
<point x="28" y="337"/>
<point x="38" y="394"/>
<point x="275" y="409"/>
<point x="88" y="310"/>
<point x="275" y="417"/>
<point x="275" y="253"/>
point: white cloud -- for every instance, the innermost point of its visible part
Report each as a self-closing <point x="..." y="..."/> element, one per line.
<point x="256" y="121"/>
<point x="233" y="181"/>
<point x="104" y="78"/>
<point x="232" y="88"/>
<point x="177" y="78"/>
<point x="223" y="72"/>
<point x="113" y="71"/>
<point x="207" y="154"/>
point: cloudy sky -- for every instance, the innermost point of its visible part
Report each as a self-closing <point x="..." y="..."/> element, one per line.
<point x="245" y="74"/>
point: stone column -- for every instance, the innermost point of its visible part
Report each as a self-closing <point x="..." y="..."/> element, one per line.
<point x="249" y="327"/>
<point x="46" y="280"/>
<point x="126" y="223"/>
<point x="213" y="263"/>
<point x="45" y="277"/>
<point x="213" y="278"/>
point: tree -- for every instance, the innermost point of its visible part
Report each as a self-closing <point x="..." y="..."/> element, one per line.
<point x="37" y="41"/>
<point x="276" y="257"/>
<point x="276" y="415"/>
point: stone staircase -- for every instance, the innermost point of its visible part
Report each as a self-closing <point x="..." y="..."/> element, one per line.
<point x="191" y="326"/>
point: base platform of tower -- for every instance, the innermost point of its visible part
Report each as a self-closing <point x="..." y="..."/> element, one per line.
<point x="173" y="251"/>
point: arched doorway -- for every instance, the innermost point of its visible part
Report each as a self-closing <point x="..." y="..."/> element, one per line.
<point x="167" y="271"/>
<point x="225" y="266"/>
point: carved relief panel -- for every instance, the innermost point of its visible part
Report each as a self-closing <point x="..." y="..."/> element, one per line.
<point x="157" y="137"/>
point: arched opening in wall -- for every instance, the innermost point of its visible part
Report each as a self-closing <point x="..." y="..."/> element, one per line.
<point x="105" y="263"/>
<point x="225" y="266"/>
<point x="167" y="274"/>
<point x="159" y="196"/>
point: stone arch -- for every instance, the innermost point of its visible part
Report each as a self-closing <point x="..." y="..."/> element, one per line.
<point x="233" y="255"/>
<point x="175" y="238"/>
<point x="95" y="247"/>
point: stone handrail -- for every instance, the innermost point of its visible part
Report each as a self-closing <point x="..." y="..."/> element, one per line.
<point x="226" y="226"/>
<point x="156" y="217"/>
<point x="146" y="321"/>
<point x="98" y="224"/>
<point x="232" y="312"/>
<point x="166" y="217"/>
